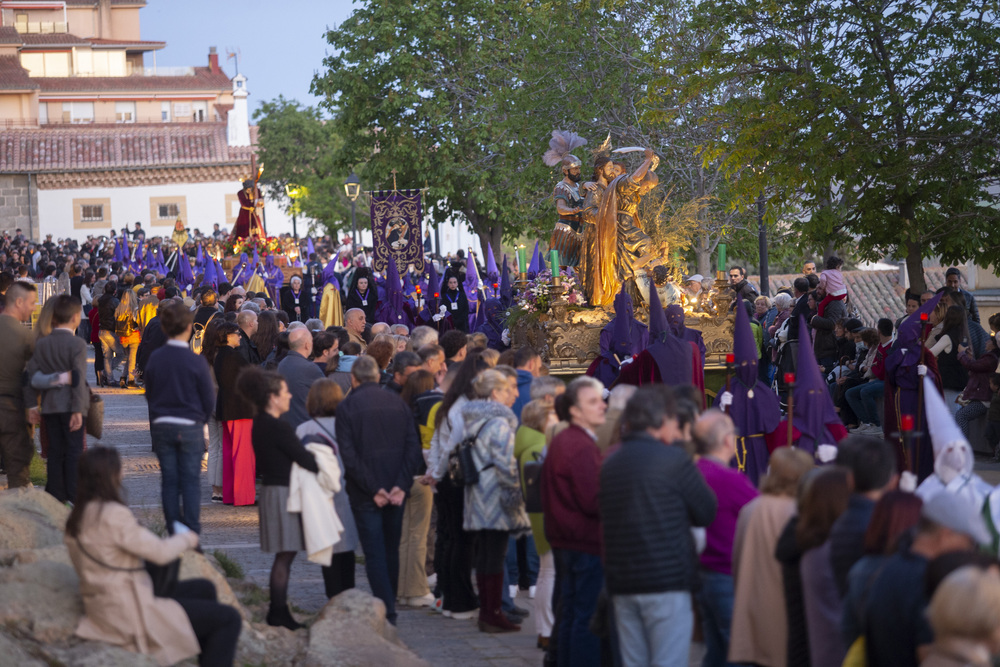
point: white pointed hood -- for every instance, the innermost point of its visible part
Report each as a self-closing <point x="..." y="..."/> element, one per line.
<point x="952" y="452"/>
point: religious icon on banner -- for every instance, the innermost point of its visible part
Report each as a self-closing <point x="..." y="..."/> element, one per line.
<point x="396" y="228"/>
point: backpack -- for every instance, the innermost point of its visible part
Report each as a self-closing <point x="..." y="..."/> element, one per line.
<point x="532" y="474"/>
<point x="461" y="465"/>
<point x="198" y="336"/>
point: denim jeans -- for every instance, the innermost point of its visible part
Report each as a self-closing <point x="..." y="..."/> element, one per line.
<point x="179" y="449"/>
<point x="65" y="447"/>
<point x="112" y="351"/>
<point x="512" y="571"/>
<point x="380" y="529"/>
<point x="715" y="603"/>
<point x="864" y="399"/>
<point x="654" y="629"/>
<point x="581" y="577"/>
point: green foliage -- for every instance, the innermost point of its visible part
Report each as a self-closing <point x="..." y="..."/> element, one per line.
<point x="230" y="567"/>
<point x="299" y="146"/>
<point x="878" y="120"/>
<point x="38" y="471"/>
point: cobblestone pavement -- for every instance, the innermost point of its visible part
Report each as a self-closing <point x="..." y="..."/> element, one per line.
<point x="234" y="531"/>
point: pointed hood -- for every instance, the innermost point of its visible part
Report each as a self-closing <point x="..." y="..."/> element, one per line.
<point x="391" y="309"/>
<point x="542" y="266"/>
<point x="433" y="295"/>
<point x="657" y="318"/>
<point x="533" y="267"/>
<point x="211" y="278"/>
<point x="185" y="276"/>
<point x="220" y="273"/>
<point x="199" y="259"/>
<point x="119" y="254"/>
<point x="471" y="284"/>
<point x="952" y="452"/>
<point x="492" y="274"/>
<point x="621" y="333"/>
<point x="813" y="405"/>
<point x="310" y="248"/>
<point x="744" y="345"/>
<point x="506" y="293"/>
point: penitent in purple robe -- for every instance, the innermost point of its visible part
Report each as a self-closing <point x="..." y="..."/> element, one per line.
<point x="391" y="309"/>
<point x="621" y="338"/>
<point x="813" y="406"/>
<point x="755" y="410"/>
<point x="667" y="359"/>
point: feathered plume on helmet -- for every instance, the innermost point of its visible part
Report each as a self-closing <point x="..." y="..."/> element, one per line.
<point x="561" y="147"/>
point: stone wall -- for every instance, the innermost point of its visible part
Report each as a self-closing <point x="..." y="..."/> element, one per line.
<point x="18" y="205"/>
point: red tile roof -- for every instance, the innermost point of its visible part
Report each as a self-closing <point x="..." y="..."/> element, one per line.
<point x="8" y="35"/>
<point x="51" y="39"/>
<point x="137" y="44"/>
<point x="202" y="79"/>
<point x="93" y="3"/>
<point x="875" y="294"/>
<point x="62" y="149"/>
<point x="13" y="76"/>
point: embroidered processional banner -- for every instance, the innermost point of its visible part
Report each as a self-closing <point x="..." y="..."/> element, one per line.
<point x="396" y="229"/>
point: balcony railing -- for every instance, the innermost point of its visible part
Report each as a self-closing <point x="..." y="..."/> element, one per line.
<point x="40" y="27"/>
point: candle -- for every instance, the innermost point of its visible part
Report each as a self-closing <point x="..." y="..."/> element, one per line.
<point x="554" y="260"/>
<point x="923" y="317"/>
<point x="722" y="257"/>
<point x="906" y="423"/>
<point x="730" y="358"/>
<point x="789" y="378"/>
<point x="522" y="265"/>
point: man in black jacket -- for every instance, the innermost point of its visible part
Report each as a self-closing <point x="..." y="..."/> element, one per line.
<point x="112" y="349"/>
<point x="381" y="453"/>
<point x="651" y="494"/>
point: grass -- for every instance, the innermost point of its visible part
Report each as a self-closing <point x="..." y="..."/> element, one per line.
<point x="230" y="567"/>
<point x="39" y="473"/>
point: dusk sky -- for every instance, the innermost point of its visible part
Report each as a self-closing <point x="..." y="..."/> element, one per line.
<point x="282" y="42"/>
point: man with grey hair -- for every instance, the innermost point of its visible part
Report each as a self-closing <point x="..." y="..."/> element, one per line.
<point x="381" y="452"/>
<point x="246" y="320"/>
<point x="315" y="324"/>
<point x="420" y="337"/>
<point x="251" y="306"/>
<point x="400" y="330"/>
<point x="715" y="442"/>
<point x="380" y="328"/>
<point x="299" y="374"/>
<point x="354" y="322"/>
<point x="546" y="388"/>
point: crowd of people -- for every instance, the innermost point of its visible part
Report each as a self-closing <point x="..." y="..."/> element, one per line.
<point x="618" y="511"/>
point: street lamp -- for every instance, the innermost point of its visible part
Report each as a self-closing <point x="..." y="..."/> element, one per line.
<point x="294" y="192"/>
<point x="352" y="186"/>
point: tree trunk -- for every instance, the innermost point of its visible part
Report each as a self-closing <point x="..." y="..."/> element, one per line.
<point x="915" y="267"/>
<point x="703" y="256"/>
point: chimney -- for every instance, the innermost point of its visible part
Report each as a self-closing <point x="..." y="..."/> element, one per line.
<point x="213" y="60"/>
<point x="104" y="19"/>
<point x="238" y="120"/>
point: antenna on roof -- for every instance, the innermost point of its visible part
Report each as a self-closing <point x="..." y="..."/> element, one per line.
<point x="237" y="54"/>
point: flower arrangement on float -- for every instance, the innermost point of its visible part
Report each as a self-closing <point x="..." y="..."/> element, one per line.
<point x="533" y="302"/>
<point x="271" y="245"/>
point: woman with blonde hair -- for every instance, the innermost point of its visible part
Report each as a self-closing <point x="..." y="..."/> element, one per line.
<point x="759" y="629"/>
<point x="965" y="616"/>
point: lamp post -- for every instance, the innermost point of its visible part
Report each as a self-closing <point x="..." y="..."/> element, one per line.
<point x="294" y="192"/>
<point x="762" y="240"/>
<point x="352" y="186"/>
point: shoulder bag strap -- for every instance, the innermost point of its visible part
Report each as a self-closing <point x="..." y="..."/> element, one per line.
<point x="105" y="565"/>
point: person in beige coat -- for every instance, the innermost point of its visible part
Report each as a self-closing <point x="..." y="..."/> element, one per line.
<point x="760" y="628"/>
<point x="108" y="546"/>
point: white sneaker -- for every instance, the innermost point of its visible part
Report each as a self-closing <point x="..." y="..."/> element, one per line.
<point x="438" y="605"/>
<point x="860" y="428"/>
<point x="422" y="601"/>
<point x="872" y="429"/>
<point x="464" y="615"/>
<point x="531" y="592"/>
<point x="513" y="591"/>
<point x="432" y="581"/>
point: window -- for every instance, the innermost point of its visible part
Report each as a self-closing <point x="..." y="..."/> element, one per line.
<point x="92" y="213"/>
<point x="165" y="112"/>
<point x="199" y="111"/>
<point x="78" y="112"/>
<point x="167" y="211"/>
<point x="182" y="109"/>
<point x="124" y="112"/>
<point x="43" y="113"/>
<point x="21" y="22"/>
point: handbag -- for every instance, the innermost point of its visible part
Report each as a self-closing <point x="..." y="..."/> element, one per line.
<point x="95" y="416"/>
<point x="532" y="473"/>
<point x="164" y="577"/>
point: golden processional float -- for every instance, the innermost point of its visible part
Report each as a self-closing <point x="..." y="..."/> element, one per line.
<point x="599" y="235"/>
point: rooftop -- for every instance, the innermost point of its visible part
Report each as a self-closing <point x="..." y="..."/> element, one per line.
<point x="13" y="76"/>
<point x="202" y="79"/>
<point x="68" y="149"/>
<point x="876" y="294"/>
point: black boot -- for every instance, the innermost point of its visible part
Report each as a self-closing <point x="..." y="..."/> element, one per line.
<point x="282" y="617"/>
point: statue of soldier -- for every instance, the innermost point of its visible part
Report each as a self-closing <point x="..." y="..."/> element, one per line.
<point x="567" y="237"/>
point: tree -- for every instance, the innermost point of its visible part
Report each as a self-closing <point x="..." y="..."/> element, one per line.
<point x="297" y="145"/>
<point x="880" y="120"/>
